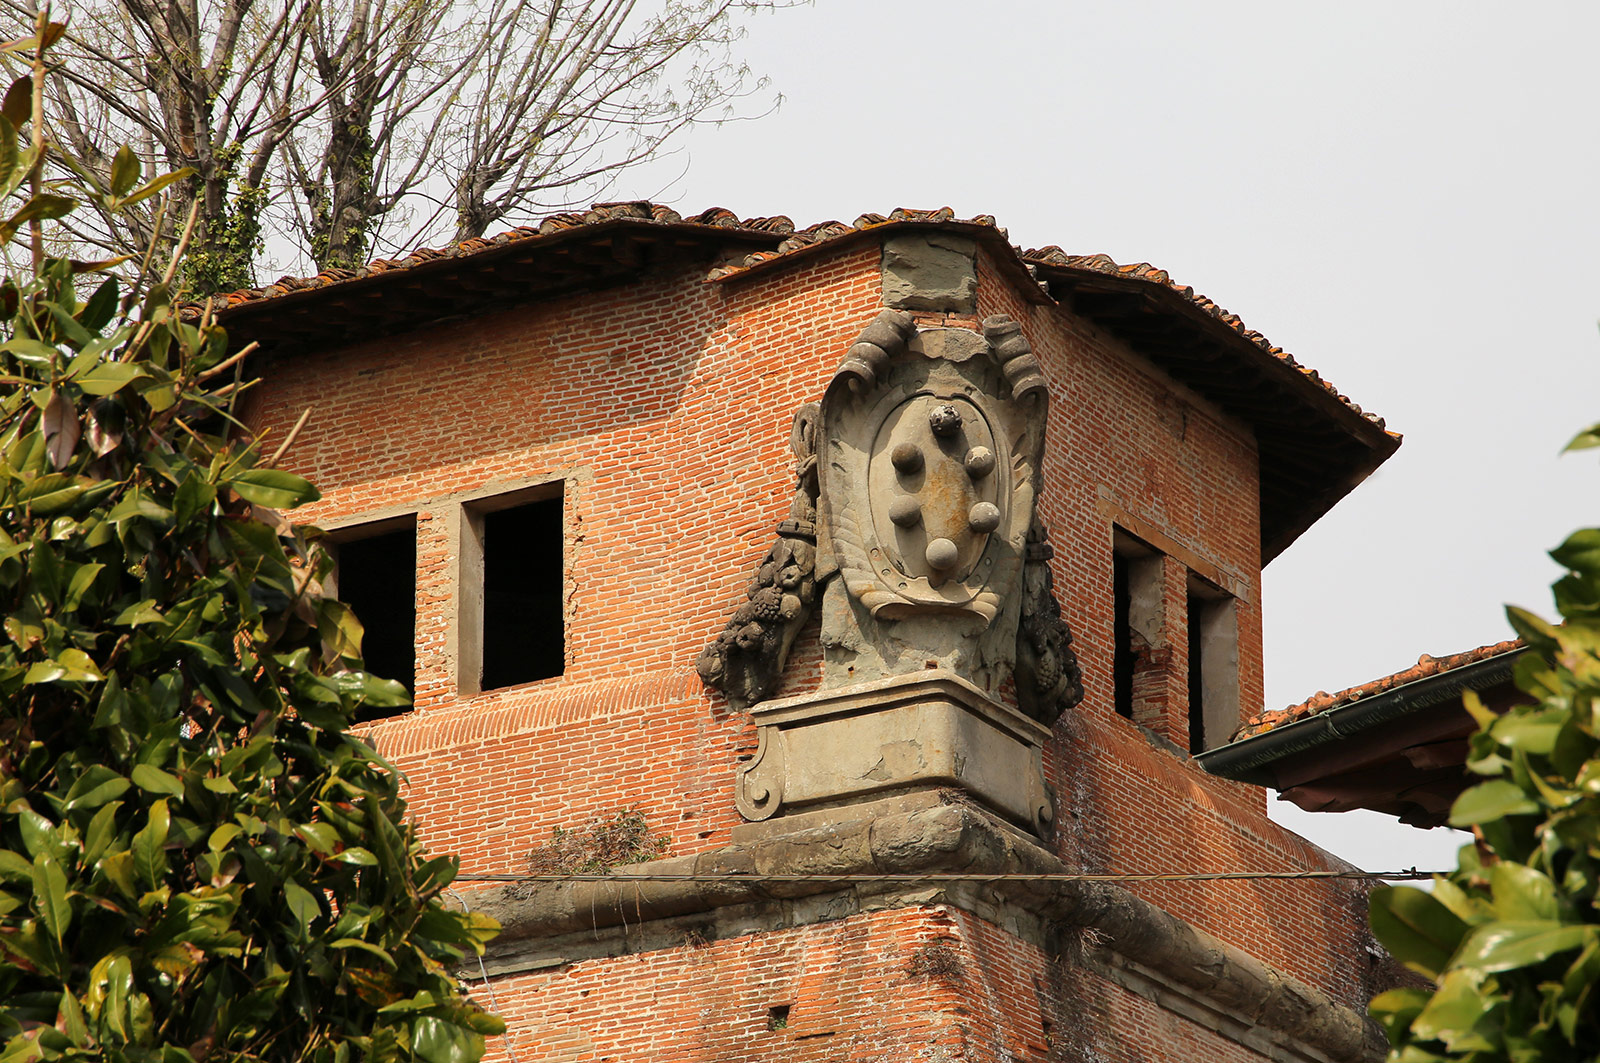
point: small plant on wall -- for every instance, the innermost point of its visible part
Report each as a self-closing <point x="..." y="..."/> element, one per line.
<point x="603" y="843"/>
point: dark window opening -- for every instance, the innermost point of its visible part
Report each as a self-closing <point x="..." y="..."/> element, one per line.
<point x="1122" y="655"/>
<point x="1197" y="685"/>
<point x="523" y="636"/>
<point x="1213" y="665"/>
<point x="778" y="1016"/>
<point x="376" y="576"/>
<point x="1135" y="614"/>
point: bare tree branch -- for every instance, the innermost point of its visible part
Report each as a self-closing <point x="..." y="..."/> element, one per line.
<point x="332" y="129"/>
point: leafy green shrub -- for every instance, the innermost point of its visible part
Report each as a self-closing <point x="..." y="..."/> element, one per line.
<point x="1512" y="938"/>
<point x="197" y="860"/>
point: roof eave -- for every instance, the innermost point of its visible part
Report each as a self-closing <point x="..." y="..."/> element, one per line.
<point x="1251" y="760"/>
<point x="1327" y="439"/>
<point x="520" y="251"/>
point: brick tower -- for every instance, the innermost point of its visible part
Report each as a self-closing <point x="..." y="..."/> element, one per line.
<point x="828" y="575"/>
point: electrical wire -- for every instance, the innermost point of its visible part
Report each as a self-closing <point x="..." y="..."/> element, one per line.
<point x="753" y="877"/>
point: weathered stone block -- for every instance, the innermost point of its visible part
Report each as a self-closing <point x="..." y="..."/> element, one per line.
<point x="930" y="271"/>
<point x="910" y="731"/>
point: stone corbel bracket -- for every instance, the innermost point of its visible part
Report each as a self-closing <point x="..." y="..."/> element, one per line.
<point x="918" y="731"/>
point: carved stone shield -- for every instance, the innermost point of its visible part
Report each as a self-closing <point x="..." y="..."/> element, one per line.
<point x="929" y="454"/>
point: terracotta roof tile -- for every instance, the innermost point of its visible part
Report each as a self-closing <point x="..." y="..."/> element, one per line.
<point x="1322" y="701"/>
<point x="822" y="232"/>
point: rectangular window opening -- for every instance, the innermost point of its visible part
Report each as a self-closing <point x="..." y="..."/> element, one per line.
<point x="1213" y="665"/>
<point x="1197" y="686"/>
<point x="375" y="574"/>
<point x="1122" y="656"/>
<point x="518" y="552"/>
<point x="1135" y="614"/>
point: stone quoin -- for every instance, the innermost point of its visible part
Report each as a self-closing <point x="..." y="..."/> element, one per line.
<point x="883" y="549"/>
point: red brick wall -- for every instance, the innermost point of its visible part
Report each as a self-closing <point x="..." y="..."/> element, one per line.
<point x="664" y="406"/>
<point x="931" y="984"/>
<point x="850" y="986"/>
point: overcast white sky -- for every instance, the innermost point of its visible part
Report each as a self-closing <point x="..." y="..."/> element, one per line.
<point x="1401" y="193"/>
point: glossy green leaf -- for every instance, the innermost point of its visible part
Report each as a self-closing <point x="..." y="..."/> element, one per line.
<point x="141" y="612"/>
<point x="50" y="494"/>
<point x="111" y="987"/>
<point x="302" y="905"/>
<point x="356" y="855"/>
<point x="70" y="1020"/>
<point x="153" y="780"/>
<point x="1455" y="1009"/>
<point x="79" y="585"/>
<point x="223" y="836"/>
<point x="50" y="896"/>
<point x="150" y="188"/>
<point x="1589" y="437"/>
<point x="1530" y="732"/>
<point x="438" y="1041"/>
<point x="97" y="785"/>
<point x="419" y="1002"/>
<point x="274" y="488"/>
<point x="98" y="312"/>
<point x="366" y="947"/>
<point x="41" y="207"/>
<point x="118" y="868"/>
<point x="109" y="378"/>
<point x="1491" y="800"/>
<point x="1416" y="929"/>
<point x="321" y="837"/>
<point x="102" y="831"/>
<point x="17" y="104"/>
<point x="149" y="845"/>
<point x="1505" y="944"/>
<point x="38" y="834"/>
<point x="1530" y="627"/>
<point x="8" y="164"/>
<point x="14" y="867"/>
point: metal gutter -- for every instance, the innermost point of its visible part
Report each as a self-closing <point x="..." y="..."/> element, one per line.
<point x="1250" y="760"/>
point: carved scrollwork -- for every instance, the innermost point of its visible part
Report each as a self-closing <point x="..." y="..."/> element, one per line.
<point x="882" y="339"/>
<point x="758" y="785"/>
<point x="1047" y="674"/>
<point x="746" y="661"/>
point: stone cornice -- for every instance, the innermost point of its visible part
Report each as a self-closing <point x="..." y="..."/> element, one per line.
<point x="1137" y="944"/>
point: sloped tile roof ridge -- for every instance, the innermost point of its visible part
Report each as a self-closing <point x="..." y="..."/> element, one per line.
<point x="1322" y="701"/>
<point x="824" y="231"/>
<point x="636" y="210"/>
<point x="1144" y="271"/>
